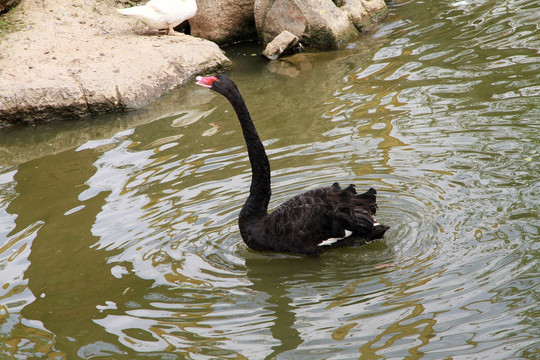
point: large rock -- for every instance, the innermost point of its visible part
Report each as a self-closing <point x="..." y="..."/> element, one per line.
<point x="363" y="13"/>
<point x="54" y="85"/>
<point x="376" y="9"/>
<point x="223" y="21"/>
<point x="88" y="59"/>
<point x="356" y="12"/>
<point x="281" y="43"/>
<point x="6" y="5"/>
<point x="318" y="23"/>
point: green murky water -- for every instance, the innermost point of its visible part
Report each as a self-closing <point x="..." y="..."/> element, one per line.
<point x="118" y="236"/>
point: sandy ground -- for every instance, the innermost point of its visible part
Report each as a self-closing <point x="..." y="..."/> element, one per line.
<point x="74" y="58"/>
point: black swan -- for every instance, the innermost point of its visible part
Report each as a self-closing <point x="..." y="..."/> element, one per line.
<point x="308" y="223"/>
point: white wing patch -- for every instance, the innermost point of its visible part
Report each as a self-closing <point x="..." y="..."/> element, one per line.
<point x="331" y="241"/>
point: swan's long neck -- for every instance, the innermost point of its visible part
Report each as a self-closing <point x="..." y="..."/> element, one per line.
<point x="260" y="191"/>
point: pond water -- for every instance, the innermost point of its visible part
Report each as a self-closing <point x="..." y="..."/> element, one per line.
<point x="119" y="236"/>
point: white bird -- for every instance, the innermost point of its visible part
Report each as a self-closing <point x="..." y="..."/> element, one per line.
<point x="163" y="14"/>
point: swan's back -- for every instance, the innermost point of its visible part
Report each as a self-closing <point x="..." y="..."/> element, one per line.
<point x="319" y="219"/>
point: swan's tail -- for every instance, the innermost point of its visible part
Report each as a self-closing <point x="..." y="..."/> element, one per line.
<point x="377" y="233"/>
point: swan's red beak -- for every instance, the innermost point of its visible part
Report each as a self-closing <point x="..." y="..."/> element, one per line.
<point x="206" y="81"/>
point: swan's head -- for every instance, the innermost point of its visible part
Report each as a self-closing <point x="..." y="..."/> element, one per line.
<point x="219" y="83"/>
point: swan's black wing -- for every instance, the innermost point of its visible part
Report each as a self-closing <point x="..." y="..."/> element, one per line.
<point x="322" y="218"/>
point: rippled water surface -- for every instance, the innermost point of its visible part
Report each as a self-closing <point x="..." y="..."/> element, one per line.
<point x="119" y="240"/>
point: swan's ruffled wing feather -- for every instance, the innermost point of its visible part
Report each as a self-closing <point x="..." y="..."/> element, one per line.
<point x="305" y="221"/>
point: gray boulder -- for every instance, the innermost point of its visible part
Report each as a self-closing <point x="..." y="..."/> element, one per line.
<point x="318" y="23"/>
<point x="356" y="12"/>
<point x="376" y="9"/>
<point x="223" y="21"/>
<point x="363" y="13"/>
<point x="280" y="44"/>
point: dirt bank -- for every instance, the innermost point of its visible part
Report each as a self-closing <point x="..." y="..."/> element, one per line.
<point x="74" y="58"/>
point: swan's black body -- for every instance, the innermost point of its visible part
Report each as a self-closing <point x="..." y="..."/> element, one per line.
<point x="306" y="224"/>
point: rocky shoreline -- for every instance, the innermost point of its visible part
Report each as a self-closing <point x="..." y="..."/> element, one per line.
<point x="73" y="59"/>
<point x="79" y="58"/>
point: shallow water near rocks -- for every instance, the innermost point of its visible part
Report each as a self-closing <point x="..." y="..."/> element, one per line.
<point x="119" y="237"/>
